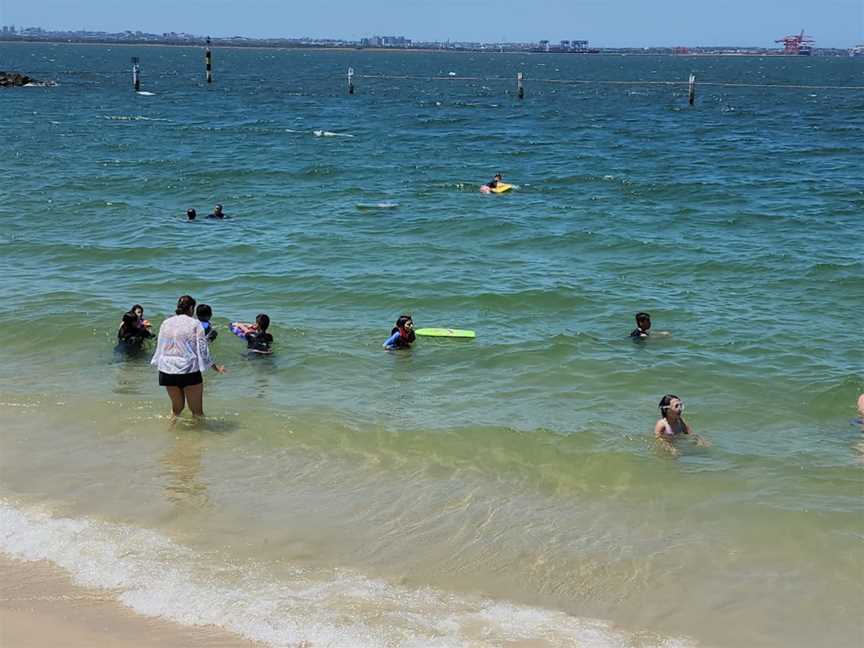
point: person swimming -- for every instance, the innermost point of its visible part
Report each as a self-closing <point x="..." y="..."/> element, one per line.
<point x="204" y="313"/>
<point x="191" y="214"/>
<point x="217" y="212"/>
<point x="132" y="333"/>
<point x="643" y="324"/>
<point x="402" y="335"/>
<point x="258" y="340"/>
<point x="672" y="424"/>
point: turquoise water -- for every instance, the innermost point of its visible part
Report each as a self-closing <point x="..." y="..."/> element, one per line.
<point x="465" y="492"/>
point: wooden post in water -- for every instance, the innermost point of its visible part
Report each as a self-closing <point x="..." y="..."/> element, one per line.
<point x="136" y="74"/>
<point x="520" y="88"/>
<point x="350" y="80"/>
<point x="208" y="62"/>
<point x="691" y="93"/>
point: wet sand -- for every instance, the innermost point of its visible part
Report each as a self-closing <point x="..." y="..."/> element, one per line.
<point x="40" y="606"/>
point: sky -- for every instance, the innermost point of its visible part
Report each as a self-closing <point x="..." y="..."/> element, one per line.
<point x="605" y="23"/>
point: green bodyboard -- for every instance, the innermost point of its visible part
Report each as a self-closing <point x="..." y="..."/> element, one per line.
<point x="444" y="332"/>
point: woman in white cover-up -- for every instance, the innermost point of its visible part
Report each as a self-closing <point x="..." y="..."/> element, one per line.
<point x="182" y="354"/>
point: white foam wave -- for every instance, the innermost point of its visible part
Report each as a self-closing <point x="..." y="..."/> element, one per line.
<point x="324" y="133"/>
<point x="133" y="118"/>
<point x="340" y="609"/>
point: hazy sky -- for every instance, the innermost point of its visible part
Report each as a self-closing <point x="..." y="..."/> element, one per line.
<point x="611" y="23"/>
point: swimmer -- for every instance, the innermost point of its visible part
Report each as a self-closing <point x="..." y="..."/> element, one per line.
<point x="131" y="335"/>
<point x="672" y="424"/>
<point x="204" y="313"/>
<point x="258" y="340"/>
<point x="643" y="324"/>
<point x="142" y="323"/>
<point x="401" y="335"/>
<point x="217" y="213"/>
<point x="191" y="214"/>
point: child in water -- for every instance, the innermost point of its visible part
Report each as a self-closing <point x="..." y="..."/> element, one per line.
<point x="401" y="335"/>
<point x="643" y="324"/>
<point x="133" y="330"/>
<point x="672" y="424"/>
<point x="204" y="313"/>
<point x="258" y="340"/>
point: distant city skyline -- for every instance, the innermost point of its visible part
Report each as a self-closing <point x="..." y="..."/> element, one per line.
<point x="626" y="23"/>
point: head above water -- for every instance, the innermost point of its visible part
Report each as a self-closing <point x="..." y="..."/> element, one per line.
<point x="191" y="214"/>
<point x="130" y="319"/>
<point x="262" y="320"/>
<point x="670" y="403"/>
<point x="185" y="305"/>
<point x="499" y="176"/>
<point x="138" y="309"/>
<point x="203" y="312"/>
<point x="643" y="321"/>
<point x="405" y="322"/>
<point x="217" y="209"/>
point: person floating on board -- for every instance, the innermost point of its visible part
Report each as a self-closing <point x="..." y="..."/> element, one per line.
<point x="643" y="324"/>
<point x="493" y="184"/>
<point x="191" y="214"/>
<point x="672" y="424"/>
<point x="217" y="213"/>
<point x="204" y="313"/>
<point x="401" y="335"/>
<point x="258" y="340"/>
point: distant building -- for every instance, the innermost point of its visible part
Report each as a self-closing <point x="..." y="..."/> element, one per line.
<point x="385" y="41"/>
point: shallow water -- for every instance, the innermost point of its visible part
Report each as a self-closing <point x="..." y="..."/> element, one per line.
<point x="484" y="492"/>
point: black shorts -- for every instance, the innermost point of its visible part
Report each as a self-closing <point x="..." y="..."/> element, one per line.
<point x="180" y="380"/>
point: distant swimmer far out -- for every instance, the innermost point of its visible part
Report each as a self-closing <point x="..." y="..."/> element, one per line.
<point x="643" y="324"/>
<point x="217" y="213"/>
<point x="258" y="340"/>
<point x="191" y="214"/>
<point x="496" y="185"/>
<point x="401" y="335"/>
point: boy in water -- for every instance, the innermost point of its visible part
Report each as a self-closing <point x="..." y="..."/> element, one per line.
<point x="401" y="335"/>
<point x="258" y="340"/>
<point x="204" y="314"/>
<point x="217" y="213"/>
<point x="191" y="214"/>
<point x="643" y="324"/>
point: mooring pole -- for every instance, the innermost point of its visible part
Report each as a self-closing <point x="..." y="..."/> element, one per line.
<point x="136" y="74"/>
<point x="520" y="88"/>
<point x="691" y="93"/>
<point x="350" y="80"/>
<point x="208" y="62"/>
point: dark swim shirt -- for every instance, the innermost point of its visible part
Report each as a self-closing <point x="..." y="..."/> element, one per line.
<point x="638" y="333"/>
<point x="259" y="342"/>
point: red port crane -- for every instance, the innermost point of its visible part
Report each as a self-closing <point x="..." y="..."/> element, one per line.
<point x="796" y="44"/>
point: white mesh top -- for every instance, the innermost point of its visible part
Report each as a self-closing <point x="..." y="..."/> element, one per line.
<point x="182" y="346"/>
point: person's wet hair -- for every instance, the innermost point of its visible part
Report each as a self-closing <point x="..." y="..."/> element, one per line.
<point x="642" y="318"/>
<point x="204" y="312"/>
<point x="135" y="307"/>
<point x="403" y="320"/>
<point x="665" y="402"/>
<point x="185" y="304"/>
<point x="191" y="214"/>
<point x="130" y="318"/>
<point x="263" y="321"/>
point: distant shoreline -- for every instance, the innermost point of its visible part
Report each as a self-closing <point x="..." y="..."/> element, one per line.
<point x="831" y="52"/>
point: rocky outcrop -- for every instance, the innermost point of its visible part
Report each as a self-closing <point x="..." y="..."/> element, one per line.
<point x="10" y="79"/>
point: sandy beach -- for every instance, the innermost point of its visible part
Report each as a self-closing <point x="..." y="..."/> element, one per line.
<point x="40" y="606"/>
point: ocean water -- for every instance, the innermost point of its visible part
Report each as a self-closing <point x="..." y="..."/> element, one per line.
<point x="504" y="491"/>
